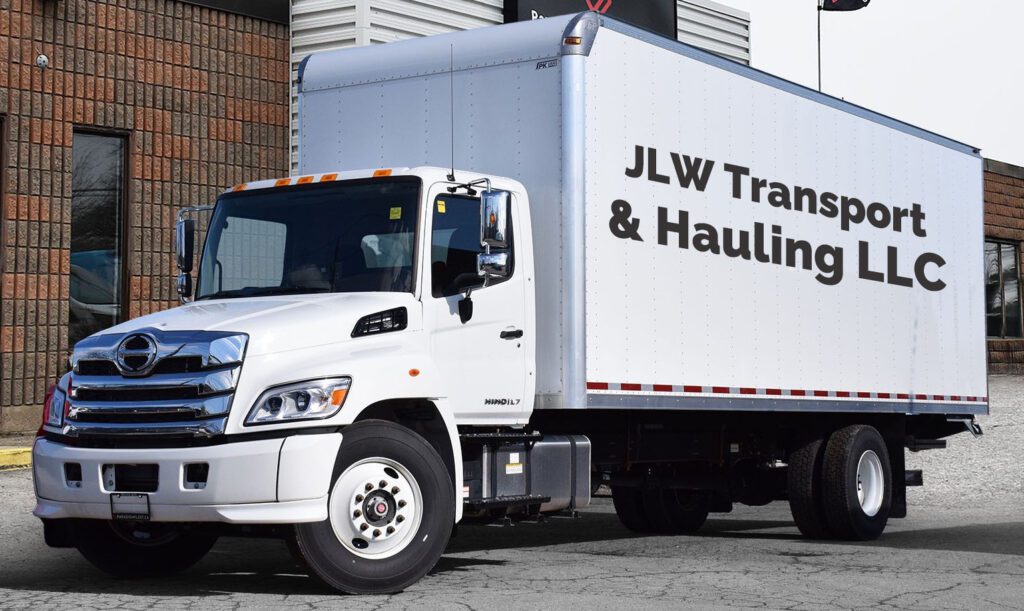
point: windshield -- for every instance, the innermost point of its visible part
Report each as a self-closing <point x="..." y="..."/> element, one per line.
<point x="322" y="238"/>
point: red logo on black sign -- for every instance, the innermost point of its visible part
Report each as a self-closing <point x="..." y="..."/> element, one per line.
<point x="601" y="6"/>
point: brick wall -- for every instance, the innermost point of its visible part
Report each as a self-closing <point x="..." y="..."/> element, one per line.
<point x="1004" y="220"/>
<point x="202" y="97"/>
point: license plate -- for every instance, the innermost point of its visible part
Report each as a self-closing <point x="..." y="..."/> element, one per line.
<point x="129" y="506"/>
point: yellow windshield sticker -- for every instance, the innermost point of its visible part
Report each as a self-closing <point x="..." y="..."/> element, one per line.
<point x="396" y="214"/>
<point x="440" y="206"/>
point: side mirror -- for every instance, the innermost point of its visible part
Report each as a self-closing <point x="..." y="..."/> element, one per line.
<point x="492" y="265"/>
<point x="494" y="207"/>
<point x="184" y="285"/>
<point x="185" y="241"/>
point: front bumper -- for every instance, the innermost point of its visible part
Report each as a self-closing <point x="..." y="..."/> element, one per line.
<point x="269" y="481"/>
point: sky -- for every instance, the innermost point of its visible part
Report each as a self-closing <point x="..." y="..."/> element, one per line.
<point x="955" y="67"/>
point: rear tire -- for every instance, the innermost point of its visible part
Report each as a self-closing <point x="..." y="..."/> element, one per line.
<point x="675" y="512"/>
<point x="392" y="509"/>
<point x="630" y="509"/>
<point x="145" y="549"/>
<point x="857" y="483"/>
<point x="806" y="501"/>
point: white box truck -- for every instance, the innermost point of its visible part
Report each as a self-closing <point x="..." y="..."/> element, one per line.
<point x="517" y="263"/>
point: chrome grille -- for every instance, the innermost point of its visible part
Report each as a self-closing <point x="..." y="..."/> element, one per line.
<point x="183" y="387"/>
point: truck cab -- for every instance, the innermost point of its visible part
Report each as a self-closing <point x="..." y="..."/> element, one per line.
<point x="324" y="304"/>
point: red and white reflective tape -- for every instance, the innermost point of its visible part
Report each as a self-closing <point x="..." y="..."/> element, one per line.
<point x="687" y="389"/>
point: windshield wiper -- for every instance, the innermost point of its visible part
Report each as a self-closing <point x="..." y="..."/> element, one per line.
<point x="257" y="291"/>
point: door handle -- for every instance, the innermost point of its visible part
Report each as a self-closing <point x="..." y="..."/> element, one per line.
<point x="514" y="334"/>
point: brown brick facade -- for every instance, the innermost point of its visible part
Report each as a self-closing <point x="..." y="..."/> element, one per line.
<point x="202" y="98"/>
<point x="1004" y="221"/>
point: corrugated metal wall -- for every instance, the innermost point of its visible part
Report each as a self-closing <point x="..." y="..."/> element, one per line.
<point x="320" y="25"/>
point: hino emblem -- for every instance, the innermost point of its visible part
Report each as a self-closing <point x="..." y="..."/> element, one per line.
<point x="136" y="354"/>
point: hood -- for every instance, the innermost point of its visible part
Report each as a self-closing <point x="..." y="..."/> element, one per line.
<point x="276" y="324"/>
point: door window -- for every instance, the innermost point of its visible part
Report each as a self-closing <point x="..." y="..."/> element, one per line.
<point x="455" y="243"/>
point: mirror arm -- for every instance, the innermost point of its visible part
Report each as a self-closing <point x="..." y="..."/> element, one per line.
<point x="190" y="210"/>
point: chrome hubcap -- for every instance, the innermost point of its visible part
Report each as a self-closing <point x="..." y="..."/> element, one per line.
<point x="376" y="508"/>
<point x="870" y="483"/>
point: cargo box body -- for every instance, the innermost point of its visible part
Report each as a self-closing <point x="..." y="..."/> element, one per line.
<point x="706" y="236"/>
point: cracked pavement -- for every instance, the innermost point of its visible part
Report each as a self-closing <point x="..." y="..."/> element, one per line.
<point x="962" y="547"/>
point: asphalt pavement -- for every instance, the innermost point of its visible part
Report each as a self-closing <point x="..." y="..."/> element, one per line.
<point x="962" y="547"/>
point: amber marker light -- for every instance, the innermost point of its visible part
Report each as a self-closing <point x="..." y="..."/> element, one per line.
<point x="328" y="177"/>
<point x="381" y="173"/>
<point x="238" y="188"/>
<point x="573" y="40"/>
<point x="304" y="180"/>
<point x="414" y="372"/>
<point x="338" y="396"/>
<point x="283" y="182"/>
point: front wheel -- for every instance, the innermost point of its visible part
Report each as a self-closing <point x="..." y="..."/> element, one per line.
<point x="140" y="549"/>
<point x="391" y="510"/>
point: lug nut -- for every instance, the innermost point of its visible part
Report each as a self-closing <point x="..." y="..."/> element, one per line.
<point x="363" y="526"/>
<point x="401" y="504"/>
<point x="394" y="490"/>
<point x="383" y="484"/>
<point x="369" y="487"/>
<point x="400" y="519"/>
<point x="391" y="529"/>
<point x="376" y="532"/>
<point x="357" y="513"/>
<point x="359" y="498"/>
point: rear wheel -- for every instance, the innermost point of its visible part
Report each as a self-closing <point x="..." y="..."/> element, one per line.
<point x="140" y="549"/>
<point x="391" y="511"/>
<point x="857" y="483"/>
<point x="629" y="507"/>
<point x="804" y="485"/>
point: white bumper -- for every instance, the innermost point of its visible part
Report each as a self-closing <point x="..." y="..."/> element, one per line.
<point x="271" y="481"/>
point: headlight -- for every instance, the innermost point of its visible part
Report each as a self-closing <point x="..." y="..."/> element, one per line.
<point x="312" y="400"/>
<point x="55" y="408"/>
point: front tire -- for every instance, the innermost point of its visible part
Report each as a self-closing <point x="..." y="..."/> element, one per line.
<point x="857" y="483"/>
<point x="143" y="549"/>
<point x="391" y="512"/>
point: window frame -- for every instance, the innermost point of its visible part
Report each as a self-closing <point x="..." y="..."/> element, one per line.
<point x="510" y="250"/>
<point x="1015" y="246"/>
<point x="127" y="138"/>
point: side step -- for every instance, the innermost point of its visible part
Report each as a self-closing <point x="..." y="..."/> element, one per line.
<point x="501" y="502"/>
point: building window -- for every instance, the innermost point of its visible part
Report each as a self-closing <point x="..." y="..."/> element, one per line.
<point x="97" y="233"/>
<point x="1002" y="290"/>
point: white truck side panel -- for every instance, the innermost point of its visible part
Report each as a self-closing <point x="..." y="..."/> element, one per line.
<point x="662" y="315"/>
<point x="394" y="109"/>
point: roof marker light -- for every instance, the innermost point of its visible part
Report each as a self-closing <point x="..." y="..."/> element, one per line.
<point x="283" y="182"/>
<point x="328" y="177"/>
<point x="304" y="180"/>
<point x="573" y="40"/>
<point x="380" y="173"/>
<point x="240" y="187"/>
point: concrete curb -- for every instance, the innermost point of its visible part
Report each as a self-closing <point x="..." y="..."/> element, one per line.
<point x="15" y="458"/>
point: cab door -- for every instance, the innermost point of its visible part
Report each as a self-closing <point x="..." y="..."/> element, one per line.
<point x="483" y="361"/>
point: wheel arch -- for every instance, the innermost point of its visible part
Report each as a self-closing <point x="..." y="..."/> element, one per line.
<point x="430" y="421"/>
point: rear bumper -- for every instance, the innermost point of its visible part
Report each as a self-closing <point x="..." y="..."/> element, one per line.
<point x="271" y="481"/>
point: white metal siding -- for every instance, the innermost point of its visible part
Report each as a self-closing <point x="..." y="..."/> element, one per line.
<point x="714" y="27"/>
